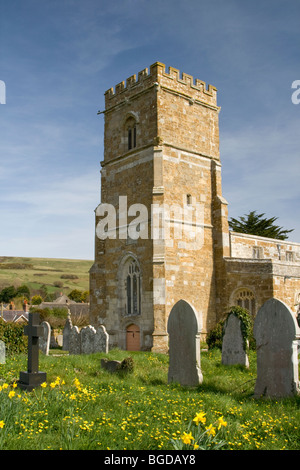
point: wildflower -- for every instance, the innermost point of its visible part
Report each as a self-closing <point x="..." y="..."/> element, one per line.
<point x="221" y="422"/>
<point x="196" y="446"/>
<point x="14" y="385"/>
<point x="211" y="430"/>
<point x="11" y="394"/>
<point x="200" y="418"/>
<point x="4" y="386"/>
<point x="76" y="383"/>
<point x="2" y="424"/>
<point x="187" y="438"/>
<point x="73" y="396"/>
<point x="44" y="385"/>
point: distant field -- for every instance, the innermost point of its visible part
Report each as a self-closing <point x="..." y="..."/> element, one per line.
<point x="36" y="272"/>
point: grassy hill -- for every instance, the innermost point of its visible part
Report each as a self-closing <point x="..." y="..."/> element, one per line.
<point x="57" y="274"/>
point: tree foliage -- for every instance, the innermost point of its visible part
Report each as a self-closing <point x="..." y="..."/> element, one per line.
<point x="257" y="224"/>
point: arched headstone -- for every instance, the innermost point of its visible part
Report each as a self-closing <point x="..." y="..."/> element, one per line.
<point x="184" y="345"/>
<point x="233" y="348"/>
<point x="276" y="333"/>
<point x="44" y="340"/>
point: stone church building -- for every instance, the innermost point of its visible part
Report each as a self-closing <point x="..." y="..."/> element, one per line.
<point x="162" y="225"/>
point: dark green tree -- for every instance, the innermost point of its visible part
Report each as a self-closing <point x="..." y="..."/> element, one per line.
<point x="257" y="224"/>
<point x="75" y="295"/>
<point x="7" y="294"/>
<point x="23" y="291"/>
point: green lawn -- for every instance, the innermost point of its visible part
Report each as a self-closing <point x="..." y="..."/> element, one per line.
<point x="86" y="407"/>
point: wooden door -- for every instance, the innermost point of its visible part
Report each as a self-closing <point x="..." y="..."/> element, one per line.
<point x="133" y="338"/>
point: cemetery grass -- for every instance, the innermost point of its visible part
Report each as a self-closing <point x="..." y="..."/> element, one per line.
<point x="85" y="407"/>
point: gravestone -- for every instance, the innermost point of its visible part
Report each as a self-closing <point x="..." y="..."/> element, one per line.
<point x="32" y="378"/>
<point x="88" y="340"/>
<point x="233" y="347"/>
<point x="184" y="345"/>
<point x="66" y="332"/>
<point x="44" y="340"/>
<point x="87" y="336"/>
<point x="2" y="352"/>
<point x="101" y="340"/>
<point x="276" y="333"/>
<point x="74" y="341"/>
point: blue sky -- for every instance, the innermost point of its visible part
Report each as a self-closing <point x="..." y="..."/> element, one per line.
<point x="58" y="57"/>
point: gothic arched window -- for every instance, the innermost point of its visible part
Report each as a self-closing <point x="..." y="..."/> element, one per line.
<point x="245" y="298"/>
<point x="133" y="289"/>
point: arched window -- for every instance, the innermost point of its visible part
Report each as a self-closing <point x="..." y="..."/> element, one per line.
<point x="130" y="133"/>
<point x="133" y="289"/>
<point x="245" y="299"/>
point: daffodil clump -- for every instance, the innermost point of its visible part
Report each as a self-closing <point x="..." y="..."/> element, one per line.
<point x="200" y="436"/>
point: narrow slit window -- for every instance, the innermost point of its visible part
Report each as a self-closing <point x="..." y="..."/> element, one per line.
<point x="131" y="134"/>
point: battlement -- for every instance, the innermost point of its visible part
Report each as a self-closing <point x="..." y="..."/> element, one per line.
<point x="173" y="80"/>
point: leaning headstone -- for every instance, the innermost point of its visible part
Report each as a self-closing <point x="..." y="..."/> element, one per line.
<point x="233" y="347"/>
<point x="276" y="333"/>
<point x="101" y="340"/>
<point x="66" y="332"/>
<point x="74" y="341"/>
<point x="33" y="377"/>
<point x="87" y="335"/>
<point x="2" y="352"/>
<point x="184" y="345"/>
<point x="44" y="340"/>
<point x="111" y="366"/>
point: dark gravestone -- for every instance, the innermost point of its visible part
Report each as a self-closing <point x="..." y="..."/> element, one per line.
<point x="184" y="345"/>
<point x="32" y="378"/>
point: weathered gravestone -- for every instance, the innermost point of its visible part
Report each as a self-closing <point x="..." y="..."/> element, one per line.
<point x="32" y="378"/>
<point x="101" y="340"/>
<point x="74" y="341"/>
<point x="2" y="352"/>
<point x="184" y="345"/>
<point x="88" y="340"/>
<point x="233" y="345"/>
<point x="87" y="336"/>
<point x="66" y="332"/>
<point x="44" y="340"/>
<point x="276" y="333"/>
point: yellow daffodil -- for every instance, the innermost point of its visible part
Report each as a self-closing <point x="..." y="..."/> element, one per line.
<point x="2" y="424"/>
<point x="221" y="422"/>
<point x="11" y="394"/>
<point x="200" y="418"/>
<point x="211" y="430"/>
<point x="44" y="385"/>
<point x="187" y="438"/>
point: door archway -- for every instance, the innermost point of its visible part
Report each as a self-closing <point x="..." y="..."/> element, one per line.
<point x="133" y="338"/>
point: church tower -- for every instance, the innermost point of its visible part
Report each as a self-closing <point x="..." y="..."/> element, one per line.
<point x="161" y="226"/>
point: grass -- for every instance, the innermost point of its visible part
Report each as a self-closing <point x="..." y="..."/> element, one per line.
<point x="44" y="271"/>
<point x="86" y="407"/>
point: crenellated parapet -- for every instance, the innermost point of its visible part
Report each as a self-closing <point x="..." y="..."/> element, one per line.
<point x="157" y="76"/>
